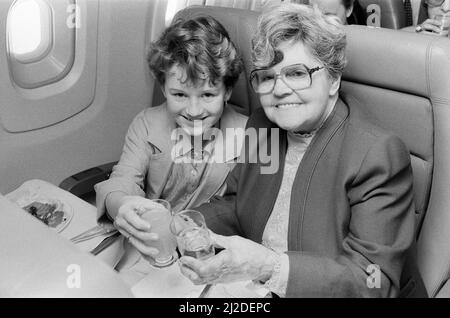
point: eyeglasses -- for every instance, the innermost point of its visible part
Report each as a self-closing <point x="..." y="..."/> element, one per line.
<point x="296" y="77"/>
<point x="434" y="3"/>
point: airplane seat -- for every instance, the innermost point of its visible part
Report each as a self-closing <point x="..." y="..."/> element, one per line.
<point x="399" y="79"/>
<point x="392" y="13"/>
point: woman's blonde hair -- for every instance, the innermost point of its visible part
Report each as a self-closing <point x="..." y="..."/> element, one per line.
<point x="322" y="35"/>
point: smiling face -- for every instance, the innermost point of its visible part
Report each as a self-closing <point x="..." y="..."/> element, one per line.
<point x="444" y="8"/>
<point x="194" y="108"/>
<point x="301" y="110"/>
<point x="335" y="7"/>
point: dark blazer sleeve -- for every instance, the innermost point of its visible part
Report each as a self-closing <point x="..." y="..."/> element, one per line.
<point x="220" y="212"/>
<point x="423" y="12"/>
<point x="381" y="229"/>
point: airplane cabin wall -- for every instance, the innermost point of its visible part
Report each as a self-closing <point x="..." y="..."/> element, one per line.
<point x="94" y="135"/>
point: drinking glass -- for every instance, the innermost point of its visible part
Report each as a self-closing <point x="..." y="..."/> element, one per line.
<point x="192" y="235"/>
<point x="159" y="218"/>
<point x="445" y="24"/>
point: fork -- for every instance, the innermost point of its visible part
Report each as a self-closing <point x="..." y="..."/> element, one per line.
<point x="98" y="230"/>
<point x="205" y="291"/>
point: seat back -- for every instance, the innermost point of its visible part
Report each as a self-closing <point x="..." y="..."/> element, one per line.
<point x="392" y="13"/>
<point x="403" y="79"/>
<point x="399" y="78"/>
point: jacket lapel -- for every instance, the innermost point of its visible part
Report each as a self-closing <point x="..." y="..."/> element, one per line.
<point x="257" y="192"/>
<point x="423" y="12"/>
<point x="162" y="126"/>
<point x="226" y="151"/>
<point x="266" y="188"/>
<point x="232" y="127"/>
<point x="160" y="166"/>
<point x="306" y="171"/>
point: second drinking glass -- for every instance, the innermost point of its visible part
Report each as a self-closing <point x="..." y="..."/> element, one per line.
<point x="192" y="235"/>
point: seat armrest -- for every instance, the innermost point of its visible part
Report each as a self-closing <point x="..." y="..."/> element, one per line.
<point x="83" y="182"/>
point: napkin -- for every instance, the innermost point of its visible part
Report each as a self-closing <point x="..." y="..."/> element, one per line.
<point x="241" y="289"/>
<point x="168" y="282"/>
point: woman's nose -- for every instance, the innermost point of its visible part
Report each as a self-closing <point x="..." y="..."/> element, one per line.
<point x="280" y="88"/>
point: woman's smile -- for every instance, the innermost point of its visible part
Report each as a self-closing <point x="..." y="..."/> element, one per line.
<point x="288" y="105"/>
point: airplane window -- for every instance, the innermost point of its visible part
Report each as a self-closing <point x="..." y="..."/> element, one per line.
<point x="41" y="41"/>
<point x="29" y="28"/>
<point x="50" y="87"/>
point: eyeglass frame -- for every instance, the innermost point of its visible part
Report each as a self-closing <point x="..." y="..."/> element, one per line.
<point x="434" y="5"/>
<point x="278" y="75"/>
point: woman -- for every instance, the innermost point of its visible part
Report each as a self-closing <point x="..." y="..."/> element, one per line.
<point x="429" y="9"/>
<point x="196" y="64"/>
<point x="337" y="218"/>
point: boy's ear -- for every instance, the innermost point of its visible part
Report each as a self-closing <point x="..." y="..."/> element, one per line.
<point x="348" y="12"/>
<point x="228" y="94"/>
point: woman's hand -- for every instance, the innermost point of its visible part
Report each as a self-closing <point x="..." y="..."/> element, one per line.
<point x="431" y="25"/>
<point x="241" y="259"/>
<point x="130" y="224"/>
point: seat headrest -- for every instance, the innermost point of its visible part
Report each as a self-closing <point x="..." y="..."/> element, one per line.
<point x="402" y="61"/>
<point x="402" y="79"/>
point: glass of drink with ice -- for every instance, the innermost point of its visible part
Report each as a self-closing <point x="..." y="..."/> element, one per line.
<point x="192" y="235"/>
<point x="445" y="24"/>
<point x="159" y="216"/>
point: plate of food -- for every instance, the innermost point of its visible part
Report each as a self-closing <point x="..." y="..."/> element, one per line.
<point x="54" y="213"/>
